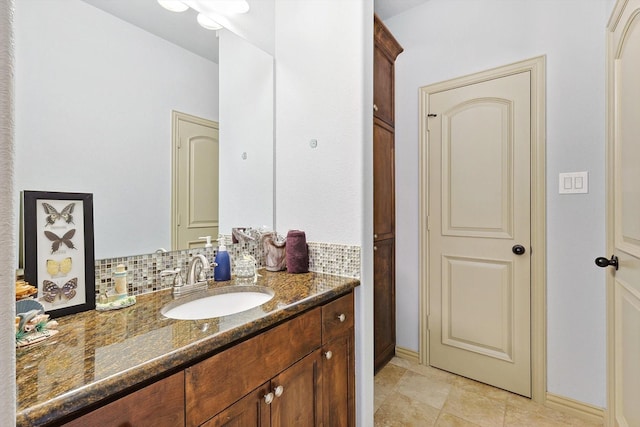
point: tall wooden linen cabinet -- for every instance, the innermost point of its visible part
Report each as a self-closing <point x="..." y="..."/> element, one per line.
<point x="386" y="50"/>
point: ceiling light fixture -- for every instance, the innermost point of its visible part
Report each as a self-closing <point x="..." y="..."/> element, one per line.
<point x="229" y="7"/>
<point x="207" y="9"/>
<point x="207" y="22"/>
<point x="173" y="5"/>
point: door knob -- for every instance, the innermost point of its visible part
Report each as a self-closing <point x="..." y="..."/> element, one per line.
<point x="603" y="262"/>
<point x="518" y="249"/>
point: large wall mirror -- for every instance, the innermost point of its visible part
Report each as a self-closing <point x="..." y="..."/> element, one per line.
<point x="94" y="98"/>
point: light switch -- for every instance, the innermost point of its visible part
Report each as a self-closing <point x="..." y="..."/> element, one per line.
<point x="573" y="183"/>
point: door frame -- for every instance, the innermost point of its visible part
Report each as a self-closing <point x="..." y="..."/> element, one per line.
<point x="176" y="117"/>
<point x="537" y="68"/>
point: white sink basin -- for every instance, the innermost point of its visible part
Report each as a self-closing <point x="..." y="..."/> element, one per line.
<point x="217" y="302"/>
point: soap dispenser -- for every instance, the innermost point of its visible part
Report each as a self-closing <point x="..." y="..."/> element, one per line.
<point x="223" y="263"/>
<point x="208" y="239"/>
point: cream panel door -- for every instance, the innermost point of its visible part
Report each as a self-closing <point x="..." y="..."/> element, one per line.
<point x="479" y="211"/>
<point x="196" y="181"/>
<point x="624" y="211"/>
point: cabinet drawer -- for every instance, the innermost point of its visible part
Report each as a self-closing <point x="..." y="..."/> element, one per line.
<point x="337" y="317"/>
<point x="159" y="404"/>
<point x="216" y="383"/>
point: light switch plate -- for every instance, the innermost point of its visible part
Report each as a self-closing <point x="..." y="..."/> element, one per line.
<point x="573" y="183"/>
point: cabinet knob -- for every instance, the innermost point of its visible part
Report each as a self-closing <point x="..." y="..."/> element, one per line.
<point x="268" y="398"/>
<point x="278" y="391"/>
<point x="375" y="248"/>
<point x="375" y="107"/>
<point x="342" y="317"/>
<point x="375" y="236"/>
<point x="328" y="354"/>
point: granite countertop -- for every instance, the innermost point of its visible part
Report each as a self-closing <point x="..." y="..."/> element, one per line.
<point x="99" y="354"/>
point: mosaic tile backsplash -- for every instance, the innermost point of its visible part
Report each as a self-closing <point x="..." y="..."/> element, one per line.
<point x="144" y="271"/>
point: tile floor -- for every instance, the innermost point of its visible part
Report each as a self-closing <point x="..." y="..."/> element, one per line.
<point x="409" y="394"/>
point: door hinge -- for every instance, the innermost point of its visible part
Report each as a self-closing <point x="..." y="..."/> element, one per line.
<point x="432" y="115"/>
<point x="428" y="223"/>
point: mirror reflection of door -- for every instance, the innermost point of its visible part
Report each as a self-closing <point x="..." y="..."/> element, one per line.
<point x="194" y="195"/>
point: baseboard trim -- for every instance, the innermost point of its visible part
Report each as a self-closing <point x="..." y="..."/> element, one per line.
<point x="574" y="407"/>
<point x="406" y="354"/>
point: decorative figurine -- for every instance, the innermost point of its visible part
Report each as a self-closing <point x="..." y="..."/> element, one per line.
<point x="32" y="324"/>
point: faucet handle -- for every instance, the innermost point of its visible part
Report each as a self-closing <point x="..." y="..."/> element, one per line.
<point x="202" y="276"/>
<point x="177" y="277"/>
<point x="169" y="272"/>
<point x="177" y="280"/>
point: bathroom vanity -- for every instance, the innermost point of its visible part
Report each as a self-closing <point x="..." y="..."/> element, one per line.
<point x="289" y="361"/>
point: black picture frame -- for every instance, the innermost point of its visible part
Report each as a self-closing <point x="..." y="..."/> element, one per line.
<point x="59" y="250"/>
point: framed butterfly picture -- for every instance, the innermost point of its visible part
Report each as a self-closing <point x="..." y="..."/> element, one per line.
<point x="58" y="250"/>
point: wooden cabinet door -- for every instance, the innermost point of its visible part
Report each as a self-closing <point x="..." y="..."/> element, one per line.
<point x="250" y="411"/>
<point x="297" y="391"/>
<point x="383" y="94"/>
<point x="338" y="386"/>
<point x="159" y="404"/>
<point x="386" y="51"/>
<point x="384" y="205"/>
<point x="384" y="302"/>
<point x="217" y="382"/>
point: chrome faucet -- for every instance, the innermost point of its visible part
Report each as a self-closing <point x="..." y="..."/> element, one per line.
<point x="201" y="261"/>
<point x="196" y="276"/>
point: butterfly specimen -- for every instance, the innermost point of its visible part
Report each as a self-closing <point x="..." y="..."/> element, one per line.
<point x="51" y="290"/>
<point x="53" y="215"/>
<point x="57" y="241"/>
<point x="55" y="268"/>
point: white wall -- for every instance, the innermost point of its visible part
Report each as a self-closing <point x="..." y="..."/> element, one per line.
<point x="85" y="79"/>
<point x="246" y="126"/>
<point x="7" y="207"/>
<point x="324" y="63"/>
<point x="319" y="91"/>
<point x="444" y="39"/>
<point x="257" y="26"/>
